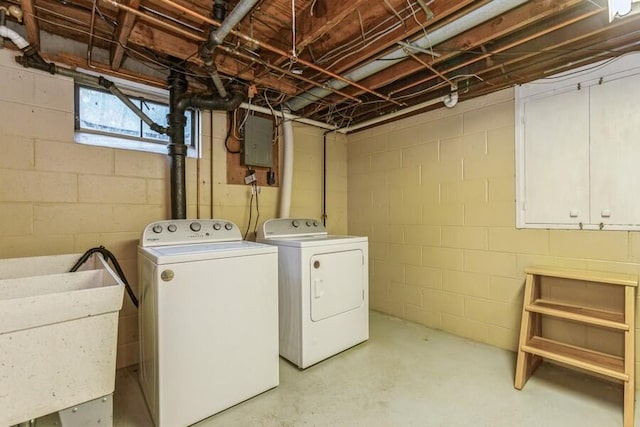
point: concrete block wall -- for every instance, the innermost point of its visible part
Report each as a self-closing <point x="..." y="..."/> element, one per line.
<point x="435" y="193"/>
<point x="58" y="197"/>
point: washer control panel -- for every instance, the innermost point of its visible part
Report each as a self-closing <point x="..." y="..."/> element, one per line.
<point x="185" y="231"/>
<point x="290" y="227"/>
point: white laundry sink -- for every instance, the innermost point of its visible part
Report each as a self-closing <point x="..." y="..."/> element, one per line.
<point x="58" y="334"/>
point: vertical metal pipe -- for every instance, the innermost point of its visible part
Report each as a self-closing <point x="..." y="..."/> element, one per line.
<point x="324" y="178"/>
<point x="177" y="148"/>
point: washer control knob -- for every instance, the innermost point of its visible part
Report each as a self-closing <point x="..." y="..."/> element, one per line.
<point x="315" y="223"/>
<point x="309" y="223"/>
<point x="228" y="226"/>
<point x="172" y="228"/>
<point x="195" y="226"/>
<point x="216" y="226"/>
<point x="295" y="223"/>
<point x="157" y="228"/>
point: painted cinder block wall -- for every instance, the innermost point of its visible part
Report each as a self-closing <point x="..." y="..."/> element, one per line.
<point x="60" y="197"/>
<point x="435" y="193"/>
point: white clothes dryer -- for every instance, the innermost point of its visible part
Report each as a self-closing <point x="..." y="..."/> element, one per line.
<point x="323" y="292"/>
<point x="208" y="319"/>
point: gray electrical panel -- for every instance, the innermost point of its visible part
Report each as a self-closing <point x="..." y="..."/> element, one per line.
<point x="258" y="142"/>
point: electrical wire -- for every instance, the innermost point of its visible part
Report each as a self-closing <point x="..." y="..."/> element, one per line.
<point x="256" y="189"/>
<point x="293" y="31"/>
<point x="226" y="139"/>
<point x="246" y="233"/>
<point x="108" y="256"/>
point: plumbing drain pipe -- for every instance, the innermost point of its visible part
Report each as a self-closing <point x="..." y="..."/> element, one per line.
<point x="287" y="168"/>
<point x="216" y="37"/>
<point x="177" y="149"/>
<point x="179" y="102"/>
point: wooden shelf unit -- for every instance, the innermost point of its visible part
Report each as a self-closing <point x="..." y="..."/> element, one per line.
<point x="534" y="347"/>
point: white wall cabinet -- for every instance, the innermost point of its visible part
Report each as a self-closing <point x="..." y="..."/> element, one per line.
<point x="578" y="149"/>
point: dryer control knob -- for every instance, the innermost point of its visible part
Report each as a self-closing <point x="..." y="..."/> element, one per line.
<point x="315" y="223"/>
<point x="157" y="228"/>
<point x="172" y="228"/>
<point x="309" y="223"/>
<point x="195" y="226"/>
<point x="228" y="226"/>
<point x="216" y="226"/>
<point x="295" y="223"/>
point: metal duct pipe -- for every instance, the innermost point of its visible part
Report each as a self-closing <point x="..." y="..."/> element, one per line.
<point x="464" y="23"/>
<point x="217" y="37"/>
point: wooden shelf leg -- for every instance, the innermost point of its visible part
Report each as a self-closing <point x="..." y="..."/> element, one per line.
<point x="629" y="353"/>
<point x="526" y="362"/>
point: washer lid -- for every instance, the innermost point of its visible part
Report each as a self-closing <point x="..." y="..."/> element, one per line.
<point x="205" y="251"/>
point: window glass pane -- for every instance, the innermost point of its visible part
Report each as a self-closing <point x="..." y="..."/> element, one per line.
<point x="157" y="113"/>
<point x="104" y="112"/>
<point x="187" y="129"/>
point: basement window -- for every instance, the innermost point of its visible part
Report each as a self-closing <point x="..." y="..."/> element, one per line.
<point x="102" y="119"/>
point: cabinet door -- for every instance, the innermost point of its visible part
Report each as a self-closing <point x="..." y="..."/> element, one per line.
<point x="556" y="158"/>
<point x="615" y="152"/>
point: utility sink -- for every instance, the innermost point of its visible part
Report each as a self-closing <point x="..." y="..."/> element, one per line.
<point x="58" y="335"/>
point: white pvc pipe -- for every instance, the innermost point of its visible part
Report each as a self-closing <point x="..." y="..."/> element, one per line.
<point x="16" y="38"/>
<point x="288" y="116"/>
<point x="287" y="169"/>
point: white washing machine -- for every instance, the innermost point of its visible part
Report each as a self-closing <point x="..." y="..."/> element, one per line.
<point x="208" y="319"/>
<point x="323" y="292"/>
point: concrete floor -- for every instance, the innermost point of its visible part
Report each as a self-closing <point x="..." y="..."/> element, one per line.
<point x="406" y="375"/>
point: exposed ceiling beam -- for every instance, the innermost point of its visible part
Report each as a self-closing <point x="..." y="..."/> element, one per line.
<point x="125" y="25"/>
<point x="374" y="14"/>
<point x="149" y="37"/>
<point x="525" y="45"/>
<point x="563" y="49"/>
<point x="313" y="27"/>
<point x="508" y="23"/>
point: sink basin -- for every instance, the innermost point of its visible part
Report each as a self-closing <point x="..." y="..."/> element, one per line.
<point x="58" y="334"/>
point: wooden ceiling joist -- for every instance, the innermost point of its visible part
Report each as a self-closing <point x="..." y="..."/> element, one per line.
<point x="144" y="35"/>
<point x="125" y="25"/>
<point x="509" y="23"/>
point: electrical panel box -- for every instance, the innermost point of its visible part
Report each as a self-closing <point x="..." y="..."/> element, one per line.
<point x="258" y="142"/>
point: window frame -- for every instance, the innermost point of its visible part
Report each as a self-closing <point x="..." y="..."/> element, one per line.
<point x="137" y="93"/>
